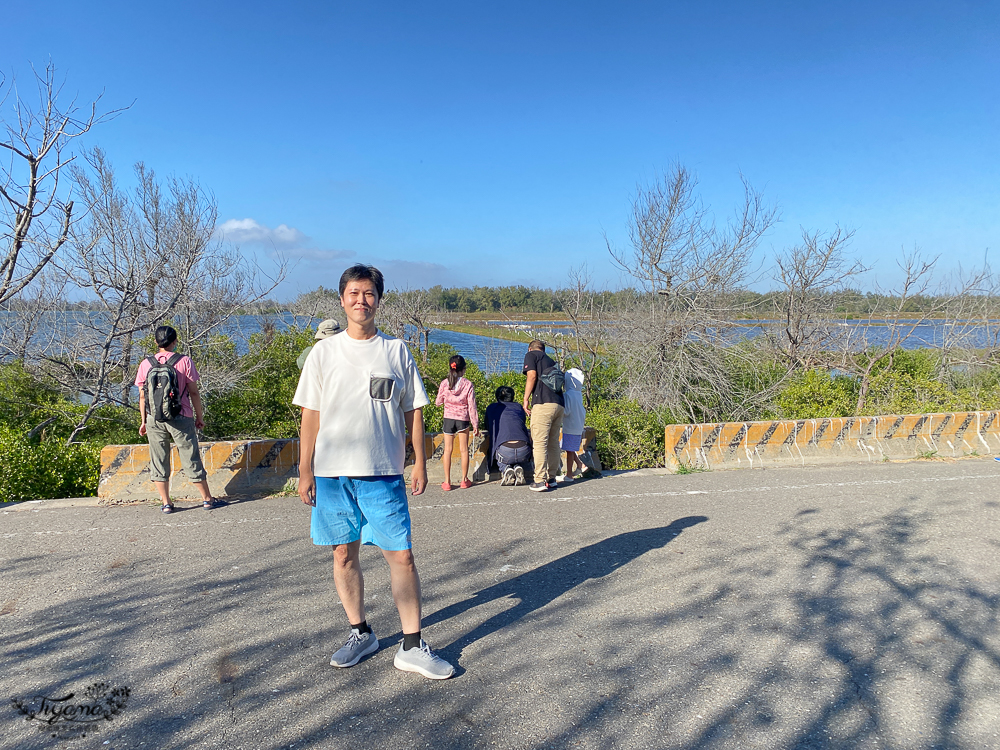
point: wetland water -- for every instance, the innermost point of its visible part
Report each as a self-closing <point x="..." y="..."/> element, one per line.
<point x="490" y="354"/>
<point x="497" y="355"/>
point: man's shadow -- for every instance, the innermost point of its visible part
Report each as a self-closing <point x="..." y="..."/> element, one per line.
<point x="536" y="588"/>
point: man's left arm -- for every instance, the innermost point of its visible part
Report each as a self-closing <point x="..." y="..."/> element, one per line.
<point x="415" y="427"/>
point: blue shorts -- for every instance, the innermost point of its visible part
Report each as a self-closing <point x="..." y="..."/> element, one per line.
<point x="571" y="443"/>
<point x="372" y="509"/>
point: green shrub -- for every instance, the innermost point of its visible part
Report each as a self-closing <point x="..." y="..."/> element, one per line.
<point x="47" y="469"/>
<point x="815" y="394"/>
<point x="895" y="392"/>
<point x="627" y="436"/>
<point x="261" y="405"/>
<point x="25" y="401"/>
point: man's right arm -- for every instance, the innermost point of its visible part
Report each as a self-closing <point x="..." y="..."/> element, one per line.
<point x="142" y="410"/>
<point x="529" y="388"/>
<point x="307" y="449"/>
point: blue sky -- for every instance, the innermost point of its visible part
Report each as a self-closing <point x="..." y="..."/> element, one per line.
<point x="494" y="143"/>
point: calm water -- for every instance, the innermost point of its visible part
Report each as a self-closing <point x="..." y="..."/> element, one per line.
<point x="498" y="355"/>
<point x="490" y="355"/>
<point x="857" y="333"/>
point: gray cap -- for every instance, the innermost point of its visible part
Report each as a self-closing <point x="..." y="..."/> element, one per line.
<point x="327" y="328"/>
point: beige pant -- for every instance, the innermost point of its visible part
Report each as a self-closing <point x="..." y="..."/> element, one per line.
<point x="182" y="430"/>
<point x="546" y="422"/>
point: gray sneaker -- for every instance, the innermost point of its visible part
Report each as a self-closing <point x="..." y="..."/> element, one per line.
<point x="423" y="661"/>
<point x="357" y="647"/>
<point x="508" y="479"/>
<point x="518" y="475"/>
<point x="539" y="487"/>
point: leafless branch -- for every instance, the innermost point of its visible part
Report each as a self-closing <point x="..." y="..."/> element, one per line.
<point x="35" y="213"/>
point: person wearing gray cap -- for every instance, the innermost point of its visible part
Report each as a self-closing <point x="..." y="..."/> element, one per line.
<point x="324" y="330"/>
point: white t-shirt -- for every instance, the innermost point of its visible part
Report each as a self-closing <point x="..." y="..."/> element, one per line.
<point x="361" y="390"/>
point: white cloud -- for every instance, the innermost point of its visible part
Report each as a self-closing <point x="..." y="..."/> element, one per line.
<point x="248" y="231"/>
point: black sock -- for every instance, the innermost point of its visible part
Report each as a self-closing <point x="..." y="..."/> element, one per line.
<point x="362" y="628"/>
<point x="411" y="640"/>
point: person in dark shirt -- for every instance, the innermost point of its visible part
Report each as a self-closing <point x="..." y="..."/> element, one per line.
<point x="510" y="443"/>
<point x="545" y="407"/>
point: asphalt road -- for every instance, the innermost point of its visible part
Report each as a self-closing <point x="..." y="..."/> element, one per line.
<point x="848" y="607"/>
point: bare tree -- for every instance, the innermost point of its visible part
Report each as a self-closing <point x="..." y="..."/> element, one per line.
<point x="317" y="305"/>
<point x="672" y="334"/>
<point x="35" y="212"/>
<point x="676" y="248"/>
<point x="809" y="276"/>
<point x="407" y="315"/>
<point x="900" y="324"/>
<point x="147" y="256"/>
<point x="29" y="316"/>
<point x="971" y="334"/>
<point x="590" y="320"/>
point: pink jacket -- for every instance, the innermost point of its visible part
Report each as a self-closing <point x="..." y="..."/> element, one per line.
<point x="459" y="403"/>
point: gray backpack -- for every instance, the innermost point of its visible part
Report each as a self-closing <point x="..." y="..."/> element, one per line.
<point x="163" y="393"/>
<point x="554" y="379"/>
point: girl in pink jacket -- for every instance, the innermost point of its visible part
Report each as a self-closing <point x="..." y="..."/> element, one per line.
<point x="458" y="396"/>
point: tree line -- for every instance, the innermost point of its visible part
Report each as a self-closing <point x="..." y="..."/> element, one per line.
<point x="846" y="304"/>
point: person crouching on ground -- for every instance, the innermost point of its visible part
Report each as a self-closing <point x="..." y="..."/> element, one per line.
<point x="458" y="396"/>
<point x="360" y="393"/>
<point x="574" y="416"/>
<point x="183" y="427"/>
<point x="510" y="443"/>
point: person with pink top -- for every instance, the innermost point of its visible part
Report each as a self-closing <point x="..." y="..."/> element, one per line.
<point x="458" y="396"/>
<point x="182" y="429"/>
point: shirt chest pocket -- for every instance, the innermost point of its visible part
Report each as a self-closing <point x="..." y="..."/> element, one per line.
<point x="382" y="387"/>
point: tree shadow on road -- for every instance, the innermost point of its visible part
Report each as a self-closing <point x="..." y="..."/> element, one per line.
<point x="844" y="636"/>
<point x="814" y="628"/>
<point x="542" y="585"/>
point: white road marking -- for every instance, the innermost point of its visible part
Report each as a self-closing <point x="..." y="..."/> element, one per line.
<point x="544" y="500"/>
<point x="535" y="499"/>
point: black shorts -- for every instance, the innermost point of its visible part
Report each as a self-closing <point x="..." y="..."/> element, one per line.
<point x="454" y="426"/>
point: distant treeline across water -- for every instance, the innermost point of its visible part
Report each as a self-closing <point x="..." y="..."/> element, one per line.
<point x="524" y="299"/>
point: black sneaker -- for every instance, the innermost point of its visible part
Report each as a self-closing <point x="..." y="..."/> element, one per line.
<point x="508" y="479"/>
<point x="539" y="487"/>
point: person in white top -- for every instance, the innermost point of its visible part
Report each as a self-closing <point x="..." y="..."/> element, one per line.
<point x="360" y="393"/>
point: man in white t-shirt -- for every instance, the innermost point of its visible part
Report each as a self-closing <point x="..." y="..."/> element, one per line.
<point x="360" y="393"/>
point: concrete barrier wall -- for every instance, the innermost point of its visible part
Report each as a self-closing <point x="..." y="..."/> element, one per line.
<point x="813" y="441"/>
<point x="234" y="467"/>
<point x="254" y="467"/>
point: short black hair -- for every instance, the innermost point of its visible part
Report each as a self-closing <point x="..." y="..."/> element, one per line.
<point x="360" y="271"/>
<point x="165" y="336"/>
<point x="505" y="393"/>
<point x="536" y="346"/>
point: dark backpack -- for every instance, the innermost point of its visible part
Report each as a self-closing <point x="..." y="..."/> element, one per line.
<point x="163" y="392"/>
<point x="554" y="379"/>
